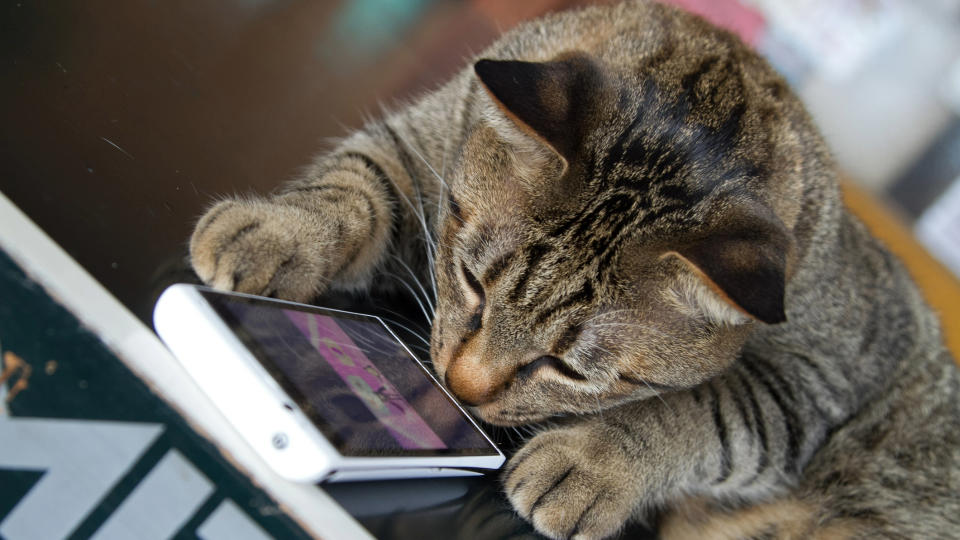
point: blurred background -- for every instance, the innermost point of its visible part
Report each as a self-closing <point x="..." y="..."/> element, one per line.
<point x="122" y="121"/>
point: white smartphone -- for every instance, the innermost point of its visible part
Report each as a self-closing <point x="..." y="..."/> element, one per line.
<point x="320" y="394"/>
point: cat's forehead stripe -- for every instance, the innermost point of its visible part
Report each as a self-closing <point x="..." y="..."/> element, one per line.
<point x="534" y="254"/>
<point x="666" y="142"/>
<point x="583" y="296"/>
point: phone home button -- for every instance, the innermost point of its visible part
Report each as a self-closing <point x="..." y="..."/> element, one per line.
<point x="280" y="440"/>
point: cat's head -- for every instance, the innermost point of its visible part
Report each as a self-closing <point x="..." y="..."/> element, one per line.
<point x="608" y="235"/>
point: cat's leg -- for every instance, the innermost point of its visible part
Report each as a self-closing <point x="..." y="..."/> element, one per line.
<point x="786" y="518"/>
<point x="574" y="482"/>
<point x="331" y="227"/>
<point x="745" y="434"/>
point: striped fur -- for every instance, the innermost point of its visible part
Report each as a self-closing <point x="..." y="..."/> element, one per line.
<point x="626" y="231"/>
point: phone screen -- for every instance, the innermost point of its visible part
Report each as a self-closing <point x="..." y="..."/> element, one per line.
<point x="352" y="378"/>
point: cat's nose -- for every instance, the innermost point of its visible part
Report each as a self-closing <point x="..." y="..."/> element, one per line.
<point x="473" y="381"/>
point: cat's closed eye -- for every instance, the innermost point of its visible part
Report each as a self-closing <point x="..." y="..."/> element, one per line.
<point x="473" y="285"/>
<point x="553" y="362"/>
<point x="476" y="299"/>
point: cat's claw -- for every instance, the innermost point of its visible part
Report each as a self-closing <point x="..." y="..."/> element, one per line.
<point x="571" y="484"/>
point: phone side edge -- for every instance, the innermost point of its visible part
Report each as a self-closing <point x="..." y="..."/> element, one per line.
<point x="206" y="348"/>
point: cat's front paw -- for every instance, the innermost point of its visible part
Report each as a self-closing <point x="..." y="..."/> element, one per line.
<point x="261" y="247"/>
<point x="572" y="483"/>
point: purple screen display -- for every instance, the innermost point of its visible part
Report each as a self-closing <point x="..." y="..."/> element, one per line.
<point x="355" y="382"/>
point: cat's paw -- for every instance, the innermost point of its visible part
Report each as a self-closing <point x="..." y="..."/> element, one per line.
<point x="572" y="483"/>
<point x="260" y="247"/>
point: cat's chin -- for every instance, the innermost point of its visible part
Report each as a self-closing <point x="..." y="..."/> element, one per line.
<point x="494" y="414"/>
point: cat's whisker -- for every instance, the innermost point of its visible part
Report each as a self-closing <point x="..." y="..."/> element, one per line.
<point x="413" y="293"/>
<point x="423" y="350"/>
<point x="429" y="245"/>
<point x="426" y="295"/>
<point x="432" y="245"/>
<point x="415" y="326"/>
<point x="419" y="197"/>
<point x="408" y="329"/>
<point x="421" y="218"/>
<point x="437" y="175"/>
<point x="401" y="316"/>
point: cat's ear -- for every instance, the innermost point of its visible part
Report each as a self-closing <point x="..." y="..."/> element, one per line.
<point x="549" y="100"/>
<point x="746" y="261"/>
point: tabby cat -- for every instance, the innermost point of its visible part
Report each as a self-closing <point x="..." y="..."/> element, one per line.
<point x="635" y="241"/>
